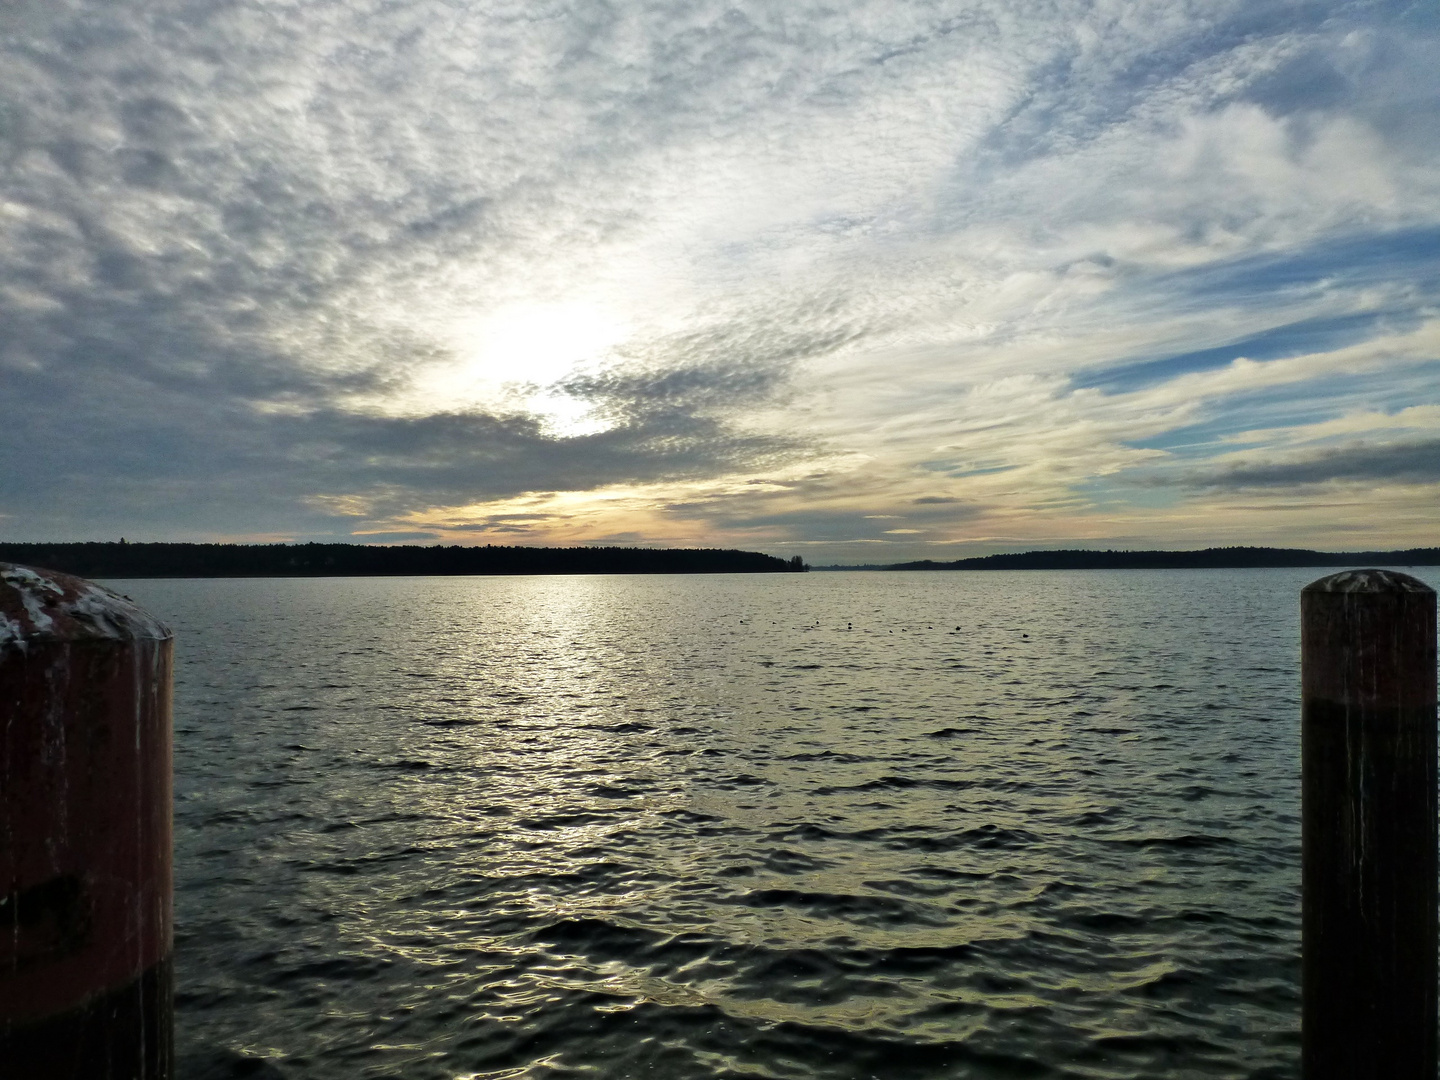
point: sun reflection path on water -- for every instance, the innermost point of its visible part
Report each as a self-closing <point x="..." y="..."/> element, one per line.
<point x="797" y="826"/>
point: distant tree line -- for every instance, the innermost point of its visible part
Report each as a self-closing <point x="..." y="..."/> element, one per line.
<point x="1219" y="558"/>
<point x="123" y="560"/>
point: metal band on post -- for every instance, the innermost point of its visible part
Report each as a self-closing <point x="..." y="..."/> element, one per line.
<point x="1368" y="828"/>
<point x="85" y="833"/>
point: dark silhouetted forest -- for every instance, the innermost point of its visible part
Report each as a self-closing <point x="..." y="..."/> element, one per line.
<point x="122" y="560"/>
<point x="1220" y="558"/>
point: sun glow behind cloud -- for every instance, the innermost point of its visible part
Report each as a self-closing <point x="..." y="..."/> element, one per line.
<point x="903" y="276"/>
<point x="513" y="357"/>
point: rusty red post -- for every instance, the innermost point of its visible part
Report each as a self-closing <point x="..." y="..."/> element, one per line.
<point x="1368" y="828"/>
<point x="85" y="850"/>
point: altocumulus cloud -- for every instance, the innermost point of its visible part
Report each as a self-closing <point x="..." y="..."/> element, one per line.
<point x="909" y="277"/>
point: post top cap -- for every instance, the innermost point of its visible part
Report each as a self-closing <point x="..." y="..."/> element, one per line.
<point x="1368" y="581"/>
<point x="42" y="605"/>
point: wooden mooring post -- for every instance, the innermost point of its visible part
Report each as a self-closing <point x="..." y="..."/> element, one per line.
<point x="85" y="841"/>
<point x="1368" y="877"/>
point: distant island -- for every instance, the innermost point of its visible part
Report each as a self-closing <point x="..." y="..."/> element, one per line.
<point x="1221" y="558"/>
<point x="124" y="560"/>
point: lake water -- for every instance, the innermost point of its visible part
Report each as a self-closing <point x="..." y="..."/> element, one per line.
<point x="841" y="825"/>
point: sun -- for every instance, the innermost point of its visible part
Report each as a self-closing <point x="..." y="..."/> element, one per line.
<point x="514" y="356"/>
<point x="537" y="343"/>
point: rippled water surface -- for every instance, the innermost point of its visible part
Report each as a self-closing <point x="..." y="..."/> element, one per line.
<point x="836" y="825"/>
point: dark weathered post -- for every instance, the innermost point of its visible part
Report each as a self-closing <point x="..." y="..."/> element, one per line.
<point x="1369" y="827"/>
<point x="85" y="886"/>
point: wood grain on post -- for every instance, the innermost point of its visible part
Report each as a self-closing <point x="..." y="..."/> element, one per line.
<point x="1368" y="732"/>
<point x="85" y="848"/>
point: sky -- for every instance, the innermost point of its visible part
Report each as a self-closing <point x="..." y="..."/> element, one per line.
<point x="862" y="280"/>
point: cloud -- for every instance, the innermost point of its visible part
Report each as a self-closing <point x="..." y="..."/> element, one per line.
<point x="1404" y="463"/>
<point x="310" y="269"/>
<point x="1300" y="338"/>
<point x="395" y="537"/>
<point x="262" y="465"/>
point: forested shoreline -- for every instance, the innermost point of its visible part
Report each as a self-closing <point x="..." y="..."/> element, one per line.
<point x="1221" y="558"/>
<point x="119" y="559"/>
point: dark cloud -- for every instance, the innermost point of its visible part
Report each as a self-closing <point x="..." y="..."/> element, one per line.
<point x="725" y="367"/>
<point x="1403" y="463"/>
<point x="240" y="466"/>
<point x="1311" y="80"/>
<point x="638" y="394"/>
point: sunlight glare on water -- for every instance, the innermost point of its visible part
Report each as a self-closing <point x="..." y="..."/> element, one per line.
<point x="827" y="825"/>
